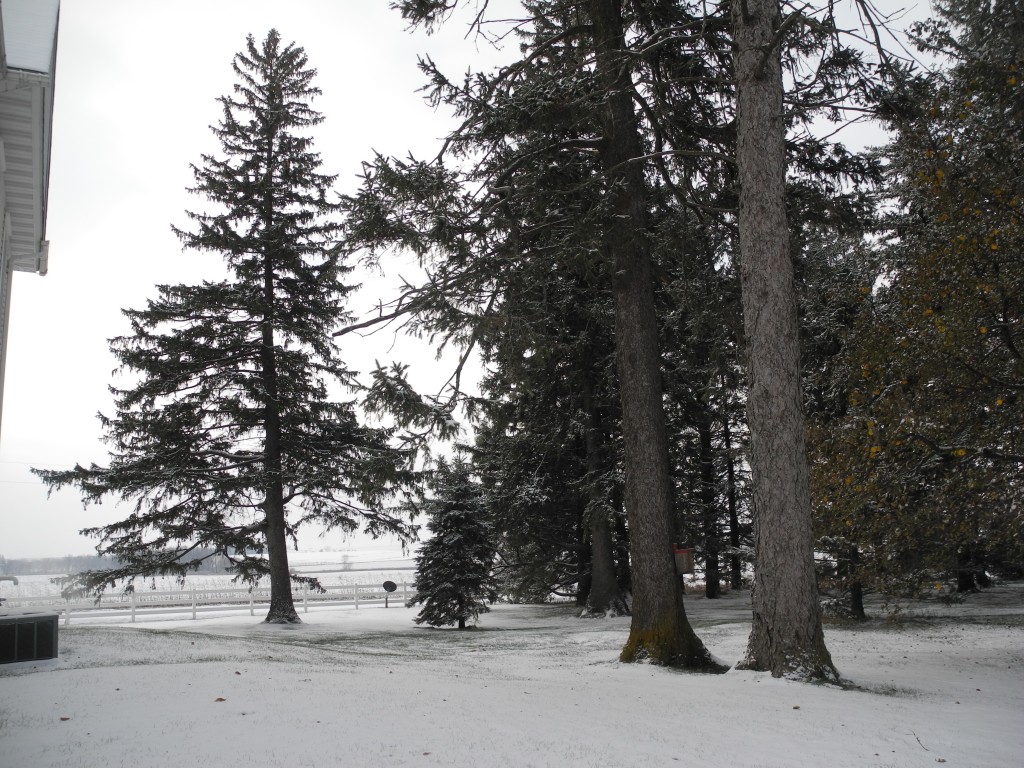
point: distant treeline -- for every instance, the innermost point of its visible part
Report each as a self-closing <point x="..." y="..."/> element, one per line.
<point x="47" y="566"/>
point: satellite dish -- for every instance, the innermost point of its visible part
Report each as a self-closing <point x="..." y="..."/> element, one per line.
<point x="389" y="586"/>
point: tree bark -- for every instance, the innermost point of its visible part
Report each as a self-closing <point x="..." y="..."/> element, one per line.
<point x="712" y="575"/>
<point x="787" y="637"/>
<point x="659" y="631"/>
<point x="282" y="607"/>
<point x="856" y="588"/>
<point x="605" y="598"/>
<point x="735" y="564"/>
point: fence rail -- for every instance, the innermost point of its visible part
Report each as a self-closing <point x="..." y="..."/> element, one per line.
<point x="140" y="604"/>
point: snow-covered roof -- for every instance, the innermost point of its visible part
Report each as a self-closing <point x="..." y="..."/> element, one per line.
<point x="29" y="34"/>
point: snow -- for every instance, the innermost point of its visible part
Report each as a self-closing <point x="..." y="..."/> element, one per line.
<point x="531" y="686"/>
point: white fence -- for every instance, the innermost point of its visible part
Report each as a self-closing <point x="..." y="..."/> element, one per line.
<point x="142" y="604"/>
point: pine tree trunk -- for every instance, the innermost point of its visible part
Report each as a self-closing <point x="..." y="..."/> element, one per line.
<point x="623" y="571"/>
<point x="856" y="588"/>
<point x="282" y="607"/>
<point x="604" y="597"/>
<point x="787" y="637"/>
<point x="735" y="564"/>
<point x="659" y="631"/>
<point x="582" y="556"/>
<point x="712" y="576"/>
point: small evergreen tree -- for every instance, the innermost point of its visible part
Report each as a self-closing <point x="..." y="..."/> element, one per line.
<point x="227" y="427"/>
<point x="453" y="568"/>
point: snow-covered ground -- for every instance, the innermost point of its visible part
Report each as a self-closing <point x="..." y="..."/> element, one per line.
<point x="532" y="686"/>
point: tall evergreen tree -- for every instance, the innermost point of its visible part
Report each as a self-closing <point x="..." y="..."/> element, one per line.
<point x="641" y="95"/>
<point x="787" y="636"/>
<point x="454" y="577"/>
<point x="555" y="109"/>
<point x="547" y="450"/>
<point x="226" y="439"/>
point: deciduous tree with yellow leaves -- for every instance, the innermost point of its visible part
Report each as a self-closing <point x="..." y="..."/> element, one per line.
<point x="921" y="479"/>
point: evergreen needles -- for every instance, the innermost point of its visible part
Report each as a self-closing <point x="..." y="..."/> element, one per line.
<point x="227" y="439"/>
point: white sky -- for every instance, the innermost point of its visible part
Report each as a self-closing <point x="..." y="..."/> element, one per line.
<point x="136" y="93"/>
<point x="136" y="89"/>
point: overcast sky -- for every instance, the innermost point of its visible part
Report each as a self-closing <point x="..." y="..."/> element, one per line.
<point x="136" y="89"/>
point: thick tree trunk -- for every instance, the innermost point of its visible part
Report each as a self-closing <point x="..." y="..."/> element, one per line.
<point x="605" y="598"/>
<point x="659" y="631"/>
<point x="787" y="637"/>
<point x="712" y="576"/>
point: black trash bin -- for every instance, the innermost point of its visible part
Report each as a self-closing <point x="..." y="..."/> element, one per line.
<point x="27" y="636"/>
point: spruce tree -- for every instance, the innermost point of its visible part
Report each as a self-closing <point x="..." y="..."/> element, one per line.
<point x="637" y="101"/>
<point x="453" y="568"/>
<point x="226" y="440"/>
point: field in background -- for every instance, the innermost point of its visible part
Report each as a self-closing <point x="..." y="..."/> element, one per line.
<point x="368" y="567"/>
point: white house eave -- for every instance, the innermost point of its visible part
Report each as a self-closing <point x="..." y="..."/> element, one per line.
<point x="26" y="118"/>
<point x="26" y="112"/>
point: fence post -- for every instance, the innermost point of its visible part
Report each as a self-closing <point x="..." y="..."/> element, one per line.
<point x="131" y="601"/>
<point x="193" y="603"/>
<point x="252" y="606"/>
<point x="355" y="593"/>
<point x="405" y="593"/>
<point x="305" y="598"/>
<point x="67" y="614"/>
